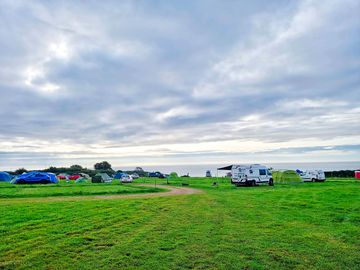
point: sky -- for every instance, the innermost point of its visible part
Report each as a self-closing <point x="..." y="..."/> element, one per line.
<point x="141" y="83"/>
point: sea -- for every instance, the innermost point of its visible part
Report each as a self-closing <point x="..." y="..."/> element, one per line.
<point x="200" y="169"/>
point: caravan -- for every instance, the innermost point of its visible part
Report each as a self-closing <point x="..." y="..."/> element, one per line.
<point x="313" y="176"/>
<point x="250" y="175"/>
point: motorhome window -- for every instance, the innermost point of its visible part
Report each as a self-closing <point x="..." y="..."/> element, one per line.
<point x="268" y="172"/>
<point x="262" y="172"/>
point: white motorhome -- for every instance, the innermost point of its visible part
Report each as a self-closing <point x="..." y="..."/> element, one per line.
<point x="313" y="176"/>
<point x="250" y="175"/>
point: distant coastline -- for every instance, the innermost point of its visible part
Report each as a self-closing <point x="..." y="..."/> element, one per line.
<point x="199" y="170"/>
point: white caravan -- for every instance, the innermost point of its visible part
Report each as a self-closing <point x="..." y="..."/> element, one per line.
<point x="313" y="176"/>
<point x="250" y="175"/>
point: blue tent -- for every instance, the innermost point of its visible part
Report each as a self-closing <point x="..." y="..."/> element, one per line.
<point x="120" y="174"/>
<point x="5" y="177"/>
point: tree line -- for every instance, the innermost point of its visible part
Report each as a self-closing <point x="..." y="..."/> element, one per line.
<point x="100" y="167"/>
<point x="342" y="173"/>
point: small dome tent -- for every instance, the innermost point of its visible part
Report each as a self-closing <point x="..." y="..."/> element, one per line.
<point x="81" y="180"/>
<point x="5" y="177"/>
<point x="119" y="174"/>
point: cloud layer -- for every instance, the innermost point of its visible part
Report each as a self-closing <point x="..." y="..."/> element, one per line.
<point x="139" y="82"/>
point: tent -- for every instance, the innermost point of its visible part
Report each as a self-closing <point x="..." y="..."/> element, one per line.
<point x="5" y="177"/>
<point x="286" y="177"/>
<point x="101" y="178"/>
<point x="119" y="174"/>
<point x="226" y="168"/>
<point x="81" y="180"/>
<point x="84" y="175"/>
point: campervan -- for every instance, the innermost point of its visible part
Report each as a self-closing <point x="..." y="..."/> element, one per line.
<point x="251" y="175"/>
<point x="313" y="176"/>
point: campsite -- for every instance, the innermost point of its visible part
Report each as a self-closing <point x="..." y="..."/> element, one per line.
<point x="285" y="226"/>
<point x="182" y="134"/>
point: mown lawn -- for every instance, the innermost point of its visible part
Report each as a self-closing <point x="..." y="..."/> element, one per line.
<point x="8" y="190"/>
<point x="301" y="226"/>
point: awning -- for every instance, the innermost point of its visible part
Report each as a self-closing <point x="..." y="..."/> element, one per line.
<point x="227" y="168"/>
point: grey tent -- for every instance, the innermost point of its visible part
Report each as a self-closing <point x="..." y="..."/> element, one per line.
<point x="101" y="178"/>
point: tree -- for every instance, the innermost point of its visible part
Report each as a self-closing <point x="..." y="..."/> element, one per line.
<point x="103" y="166"/>
<point x="52" y="169"/>
<point x="20" y="171"/>
<point x="76" y="167"/>
<point x="174" y="175"/>
<point x="138" y="169"/>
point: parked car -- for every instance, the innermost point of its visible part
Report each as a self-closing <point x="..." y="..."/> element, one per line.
<point x="135" y="176"/>
<point x="156" y="174"/>
<point x="36" y="178"/>
<point x="313" y="176"/>
<point x="249" y="175"/>
<point x="125" y="178"/>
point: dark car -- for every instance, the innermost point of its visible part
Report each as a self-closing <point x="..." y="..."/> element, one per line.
<point x="156" y="174"/>
<point x="36" y="178"/>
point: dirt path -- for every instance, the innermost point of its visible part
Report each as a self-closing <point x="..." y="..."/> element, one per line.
<point x="171" y="191"/>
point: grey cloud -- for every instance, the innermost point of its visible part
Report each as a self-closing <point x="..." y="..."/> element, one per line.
<point x="205" y="65"/>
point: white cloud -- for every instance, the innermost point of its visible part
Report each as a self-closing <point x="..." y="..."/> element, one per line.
<point x="285" y="46"/>
<point x="35" y="79"/>
<point x="133" y="81"/>
<point x="60" y="50"/>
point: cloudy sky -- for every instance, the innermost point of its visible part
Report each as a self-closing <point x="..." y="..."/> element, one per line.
<point x="178" y="82"/>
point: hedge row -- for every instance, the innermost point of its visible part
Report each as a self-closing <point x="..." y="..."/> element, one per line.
<point x="343" y="173"/>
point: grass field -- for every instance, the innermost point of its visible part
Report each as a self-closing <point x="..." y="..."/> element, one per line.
<point x="301" y="226"/>
<point x="8" y="190"/>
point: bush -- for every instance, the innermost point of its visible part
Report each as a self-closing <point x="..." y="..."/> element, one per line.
<point x="174" y="175"/>
<point x="342" y="174"/>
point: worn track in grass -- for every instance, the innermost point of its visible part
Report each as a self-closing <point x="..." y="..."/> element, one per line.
<point x="171" y="191"/>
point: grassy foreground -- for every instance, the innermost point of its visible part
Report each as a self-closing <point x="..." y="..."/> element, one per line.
<point x="8" y="190"/>
<point x="301" y="226"/>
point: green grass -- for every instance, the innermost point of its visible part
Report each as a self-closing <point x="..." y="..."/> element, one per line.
<point x="8" y="190"/>
<point x="307" y="226"/>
